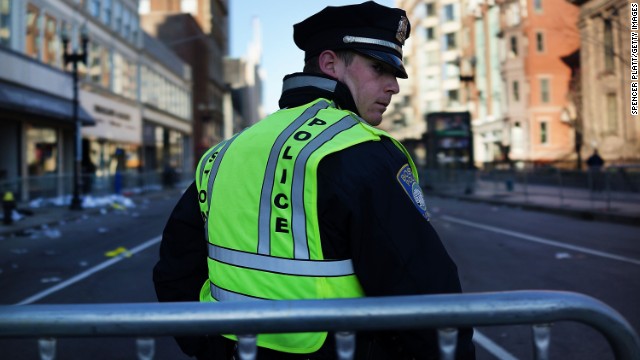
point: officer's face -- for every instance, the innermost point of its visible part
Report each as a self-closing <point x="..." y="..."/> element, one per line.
<point x="372" y="83"/>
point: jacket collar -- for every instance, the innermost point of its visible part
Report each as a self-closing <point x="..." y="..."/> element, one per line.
<point x="302" y="88"/>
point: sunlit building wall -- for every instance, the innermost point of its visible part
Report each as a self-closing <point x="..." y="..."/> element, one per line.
<point x="432" y="56"/>
<point x="604" y="111"/>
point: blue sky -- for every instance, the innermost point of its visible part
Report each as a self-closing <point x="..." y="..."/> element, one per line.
<point x="280" y="56"/>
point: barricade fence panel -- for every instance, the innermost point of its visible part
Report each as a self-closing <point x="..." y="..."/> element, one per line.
<point x="342" y="316"/>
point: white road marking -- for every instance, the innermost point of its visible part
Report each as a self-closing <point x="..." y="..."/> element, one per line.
<point x="89" y="272"/>
<point x="493" y="348"/>
<point x="541" y="240"/>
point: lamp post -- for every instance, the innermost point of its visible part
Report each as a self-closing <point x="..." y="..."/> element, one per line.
<point x="74" y="57"/>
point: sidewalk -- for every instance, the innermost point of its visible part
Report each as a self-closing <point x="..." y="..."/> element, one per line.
<point x="52" y="215"/>
<point x="614" y="209"/>
<point x="621" y="208"/>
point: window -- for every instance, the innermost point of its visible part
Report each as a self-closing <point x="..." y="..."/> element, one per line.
<point x="50" y="54"/>
<point x="608" y="46"/>
<point x="5" y="22"/>
<point x="32" y="43"/>
<point x="433" y="57"/>
<point x="544" y="135"/>
<point x="545" y="96"/>
<point x="515" y="90"/>
<point x="430" y="9"/>
<point x="117" y="16"/>
<point x="537" y="5"/>
<point x="451" y="70"/>
<point x="106" y="12"/>
<point x="452" y="97"/>
<point x="430" y="33"/>
<point x="42" y="150"/>
<point x="93" y="6"/>
<point x="539" y="41"/>
<point x="612" y="113"/>
<point x="431" y="82"/>
<point x="450" y="41"/>
<point x="513" y="46"/>
<point x="135" y="26"/>
<point x="126" y="25"/>
<point x="96" y="64"/>
<point x="449" y="12"/>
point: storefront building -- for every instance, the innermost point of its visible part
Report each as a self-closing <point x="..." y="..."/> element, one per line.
<point x="37" y="128"/>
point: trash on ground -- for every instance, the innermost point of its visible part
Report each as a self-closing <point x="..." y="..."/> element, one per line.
<point x="563" y="255"/>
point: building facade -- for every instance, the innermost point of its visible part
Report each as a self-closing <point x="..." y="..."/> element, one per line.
<point x="502" y="62"/>
<point x="535" y="35"/>
<point x="604" y="108"/>
<point x="197" y="31"/>
<point x="483" y="79"/>
<point x="36" y="119"/>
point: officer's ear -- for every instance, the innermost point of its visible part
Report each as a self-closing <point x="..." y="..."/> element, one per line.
<point x="330" y="64"/>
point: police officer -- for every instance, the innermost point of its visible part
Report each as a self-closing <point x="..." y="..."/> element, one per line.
<point x="313" y="201"/>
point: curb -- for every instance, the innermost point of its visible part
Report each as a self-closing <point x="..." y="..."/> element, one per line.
<point x="583" y="214"/>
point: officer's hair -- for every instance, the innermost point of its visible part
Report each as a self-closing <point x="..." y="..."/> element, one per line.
<point x="311" y="66"/>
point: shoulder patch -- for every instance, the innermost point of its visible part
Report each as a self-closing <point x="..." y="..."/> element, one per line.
<point x="412" y="188"/>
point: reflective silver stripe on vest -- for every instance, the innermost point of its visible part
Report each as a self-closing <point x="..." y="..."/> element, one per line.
<point x="264" y="217"/>
<point x="205" y="160"/>
<point x="221" y="294"/>
<point x="298" y="220"/>
<point x="285" y="266"/>
<point x="302" y="81"/>
<point x="212" y="177"/>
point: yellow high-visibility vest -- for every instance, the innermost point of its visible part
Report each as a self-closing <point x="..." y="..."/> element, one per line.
<point x="258" y="196"/>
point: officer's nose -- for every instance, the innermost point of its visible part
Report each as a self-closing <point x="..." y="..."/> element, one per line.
<point x="392" y="85"/>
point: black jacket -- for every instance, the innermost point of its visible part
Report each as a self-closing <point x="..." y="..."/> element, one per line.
<point x="365" y="214"/>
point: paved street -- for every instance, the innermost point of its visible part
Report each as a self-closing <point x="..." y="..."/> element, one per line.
<point x="106" y="256"/>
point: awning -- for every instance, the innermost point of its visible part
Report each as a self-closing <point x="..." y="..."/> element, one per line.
<point x="18" y="98"/>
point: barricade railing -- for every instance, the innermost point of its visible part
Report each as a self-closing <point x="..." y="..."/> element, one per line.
<point x="342" y="316"/>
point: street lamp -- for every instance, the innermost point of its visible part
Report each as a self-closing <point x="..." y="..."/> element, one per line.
<point x="74" y="57"/>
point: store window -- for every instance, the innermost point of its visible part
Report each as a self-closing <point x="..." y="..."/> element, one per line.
<point x="5" y="22"/>
<point x="42" y="150"/>
<point x="32" y="41"/>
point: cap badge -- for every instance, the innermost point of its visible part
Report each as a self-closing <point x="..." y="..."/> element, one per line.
<point x="401" y="33"/>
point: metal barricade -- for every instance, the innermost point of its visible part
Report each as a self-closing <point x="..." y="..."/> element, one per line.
<point x="343" y="316"/>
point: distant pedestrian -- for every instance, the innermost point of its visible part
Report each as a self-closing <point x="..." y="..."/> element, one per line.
<point x="595" y="164"/>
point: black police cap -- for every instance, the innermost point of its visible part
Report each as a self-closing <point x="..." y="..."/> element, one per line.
<point x="368" y="28"/>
